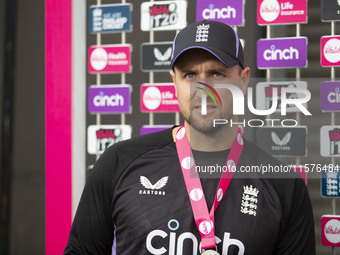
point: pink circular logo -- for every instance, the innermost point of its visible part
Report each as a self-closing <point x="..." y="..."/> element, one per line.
<point x="270" y="10"/>
<point x="152" y="98"/>
<point x="196" y="194"/>
<point x="205" y="227"/>
<point x="331" y="50"/>
<point x="332" y="231"/>
<point x="180" y="133"/>
<point x="231" y="165"/>
<point x="187" y="163"/>
<point x="219" y="194"/>
<point x="239" y="139"/>
<point x="98" y="59"/>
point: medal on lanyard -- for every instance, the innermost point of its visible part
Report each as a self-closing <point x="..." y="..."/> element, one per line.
<point x="210" y="252"/>
<point x="205" y="220"/>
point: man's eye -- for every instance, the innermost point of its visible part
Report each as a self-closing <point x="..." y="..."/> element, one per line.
<point x="189" y="75"/>
<point x="217" y="74"/>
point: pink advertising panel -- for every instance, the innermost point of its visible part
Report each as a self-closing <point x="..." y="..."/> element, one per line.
<point x="330" y="230"/>
<point x="330" y="51"/>
<point x="271" y="12"/>
<point x="158" y="97"/>
<point x="110" y="59"/>
<point x="58" y="125"/>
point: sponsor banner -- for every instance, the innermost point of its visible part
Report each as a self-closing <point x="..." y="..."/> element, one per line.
<point x="271" y="12"/>
<point x="330" y="51"/>
<point x="100" y="137"/>
<point x="282" y="52"/>
<point x="110" y="58"/>
<point x="264" y="94"/>
<point x="156" y="56"/>
<point x="330" y="96"/>
<point x="146" y="129"/>
<point x="109" y="99"/>
<point x="163" y="15"/>
<point x="330" y="182"/>
<point x="230" y="12"/>
<point x="110" y="18"/>
<point x="330" y="10"/>
<point x="330" y="141"/>
<point x="158" y="97"/>
<point x="282" y="141"/>
<point x="330" y="230"/>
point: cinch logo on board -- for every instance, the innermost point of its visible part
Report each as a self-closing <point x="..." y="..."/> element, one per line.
<point x="277" y="54"/>
<point x="229" y="12"/>
<point x="224" y="13"/>
<point x="109" y="99"/>
<point x="159" y="97"/>
<point x="176" y="241"/>
<point x="104" y="100"/>
<point x="330" y="51"/>
<point x="281" y="11"/>
<point x="165" y="15"/>
<point x="330" y="96"/>
<point x="334" y="97"/>
<point x="109" y="58"/>
<point x="282" y="52"/>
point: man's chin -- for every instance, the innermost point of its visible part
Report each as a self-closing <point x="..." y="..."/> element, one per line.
<point x="204" y="126"/>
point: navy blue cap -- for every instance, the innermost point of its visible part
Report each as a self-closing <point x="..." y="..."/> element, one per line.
<point x="218" y="38"/>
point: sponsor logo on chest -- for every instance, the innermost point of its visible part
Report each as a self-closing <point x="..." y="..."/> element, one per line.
<point x="153" y="189"/>
<point x="249" y="200"/>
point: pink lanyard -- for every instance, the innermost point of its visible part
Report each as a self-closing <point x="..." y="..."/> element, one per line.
<point x="204" y="220"/>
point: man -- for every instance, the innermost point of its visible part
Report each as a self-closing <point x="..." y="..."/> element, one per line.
<point x="145" y="197"/>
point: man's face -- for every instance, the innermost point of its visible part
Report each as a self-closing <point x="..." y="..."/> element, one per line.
<point x="199" y="65"/>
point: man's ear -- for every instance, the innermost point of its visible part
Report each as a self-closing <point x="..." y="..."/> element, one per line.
<point x="173" y="77"/>
<point x="245" y="74"/>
